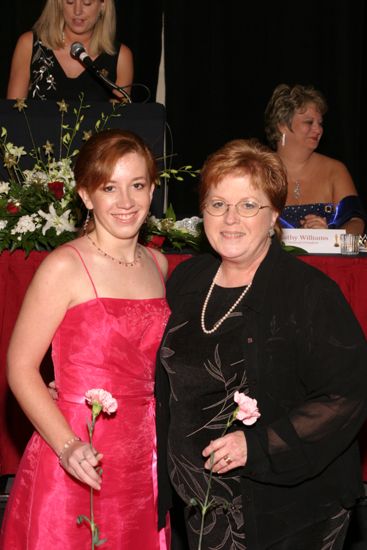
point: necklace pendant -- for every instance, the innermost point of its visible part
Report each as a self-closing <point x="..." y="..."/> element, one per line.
<point x="297" y="189"/>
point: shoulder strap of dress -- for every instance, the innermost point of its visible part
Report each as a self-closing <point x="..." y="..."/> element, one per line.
<point x="158" y="267"/>
<point x="85" y="267"/>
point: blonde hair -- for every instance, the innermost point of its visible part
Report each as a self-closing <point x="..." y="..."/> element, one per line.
<point x="50" y="26"/>
<point x="283" y="104"/>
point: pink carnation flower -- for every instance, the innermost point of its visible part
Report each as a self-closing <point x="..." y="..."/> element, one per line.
<point x="247" y="411"/>
<point x="101" y="400"/>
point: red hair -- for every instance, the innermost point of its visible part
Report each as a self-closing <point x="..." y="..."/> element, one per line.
<point x="99" y="155"/>
<point x="246" y="157"/>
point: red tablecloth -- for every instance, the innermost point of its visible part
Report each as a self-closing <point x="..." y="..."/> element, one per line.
<point x="16" y="271"/>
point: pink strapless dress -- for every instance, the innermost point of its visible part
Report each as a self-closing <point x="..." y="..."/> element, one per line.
<point x="111" y="344"/>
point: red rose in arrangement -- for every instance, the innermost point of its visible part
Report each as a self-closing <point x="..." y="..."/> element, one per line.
<point x="12" y="208"/>
<point x="156" y="241"/>
<point x="57" y="189"/>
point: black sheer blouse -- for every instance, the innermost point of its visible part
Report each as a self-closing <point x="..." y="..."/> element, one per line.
<point x="306" y="365"/>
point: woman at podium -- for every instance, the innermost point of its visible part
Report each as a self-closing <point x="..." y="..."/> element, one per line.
<point x="44" y="68"/>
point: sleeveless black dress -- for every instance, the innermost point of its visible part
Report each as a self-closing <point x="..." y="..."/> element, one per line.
<point x="48" y="80"/>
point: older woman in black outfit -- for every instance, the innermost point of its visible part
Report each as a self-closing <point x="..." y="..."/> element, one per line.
<point x="254" y="319"/>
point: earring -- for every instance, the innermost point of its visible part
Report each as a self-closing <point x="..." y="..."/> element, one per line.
<point x="283" y="139"/>
<point x="271" y="231"/>
<point x="86" y="222"/>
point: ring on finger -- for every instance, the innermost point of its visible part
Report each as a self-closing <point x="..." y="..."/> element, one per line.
<point x="227" y="459"/>
<point x="81" y="460"/>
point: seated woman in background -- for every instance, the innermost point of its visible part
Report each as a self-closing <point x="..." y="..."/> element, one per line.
<point x="321" y="192"/>
<point x="42" y="66"/>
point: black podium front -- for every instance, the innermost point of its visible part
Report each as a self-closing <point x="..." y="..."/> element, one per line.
<point x="44" y="119"/>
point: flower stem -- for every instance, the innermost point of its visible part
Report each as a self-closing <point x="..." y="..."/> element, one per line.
<point x="35" y="149"/>
<point x="61" y="135"/>
<point x="78" y="119"/>
<point x="92" y="525"/>
<point x="205" y="506"/>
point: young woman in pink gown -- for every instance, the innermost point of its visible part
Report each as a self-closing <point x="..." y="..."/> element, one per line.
<point x="101" y="301"/>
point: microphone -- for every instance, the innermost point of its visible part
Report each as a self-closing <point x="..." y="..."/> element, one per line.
<point x="78" y="51"/>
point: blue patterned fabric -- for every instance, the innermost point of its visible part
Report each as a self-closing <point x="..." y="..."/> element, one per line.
<point x="349" y="207"/>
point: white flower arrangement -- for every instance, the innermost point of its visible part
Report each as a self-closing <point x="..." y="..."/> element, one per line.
<point x="39" y="208"/>
<point x="177" y="234"/>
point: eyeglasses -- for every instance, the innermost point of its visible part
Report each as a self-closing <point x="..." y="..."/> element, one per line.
<point x="246" y="208"/>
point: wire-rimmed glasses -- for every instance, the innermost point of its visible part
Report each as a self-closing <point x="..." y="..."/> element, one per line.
<point x="246" y="208"/>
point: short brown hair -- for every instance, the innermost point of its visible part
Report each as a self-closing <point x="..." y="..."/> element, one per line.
<point x="98" y="157"/>
<point x="283" y="104"/>
<point x="246" y="157"/>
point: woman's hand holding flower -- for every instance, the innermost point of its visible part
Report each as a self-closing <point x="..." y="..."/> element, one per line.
<point x="229" y="452"/>
<point x="80" y="460"/>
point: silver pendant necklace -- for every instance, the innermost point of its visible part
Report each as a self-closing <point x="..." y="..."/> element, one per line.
<point x="226" y="315"/>
<point x="117" y="260"/>
<point x="297" y="189"/>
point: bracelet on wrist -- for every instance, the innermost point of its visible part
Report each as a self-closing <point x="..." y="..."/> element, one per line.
<point x="67" y="445"/>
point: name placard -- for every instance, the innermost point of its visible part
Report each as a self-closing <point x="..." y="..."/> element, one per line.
<point x="314" y="241"/>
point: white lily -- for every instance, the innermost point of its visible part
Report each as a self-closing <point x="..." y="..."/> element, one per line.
<point x="4" y="187"/>
<point x="14" y="150"/>
<point x="60" y="223"/>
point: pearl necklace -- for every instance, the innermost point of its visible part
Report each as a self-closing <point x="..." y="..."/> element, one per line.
<point x="121" y="262"/>
<point x="226" y="315"/>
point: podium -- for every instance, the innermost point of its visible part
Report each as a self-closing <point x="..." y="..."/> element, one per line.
<point x="44" y="119"/>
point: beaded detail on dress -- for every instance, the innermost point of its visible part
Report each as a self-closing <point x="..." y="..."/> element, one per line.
<point x="293" y="214"/>
<point x="48" y="79"/>
<point x="43" y="62"/>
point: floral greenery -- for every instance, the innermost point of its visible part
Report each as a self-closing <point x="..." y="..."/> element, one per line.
<point x="177" y="234"/>
<point x="39" y="208"/>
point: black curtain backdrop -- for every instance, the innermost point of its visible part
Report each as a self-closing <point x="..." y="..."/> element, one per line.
<point x="222" y="61"/>
<point x="140" y="28"/>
